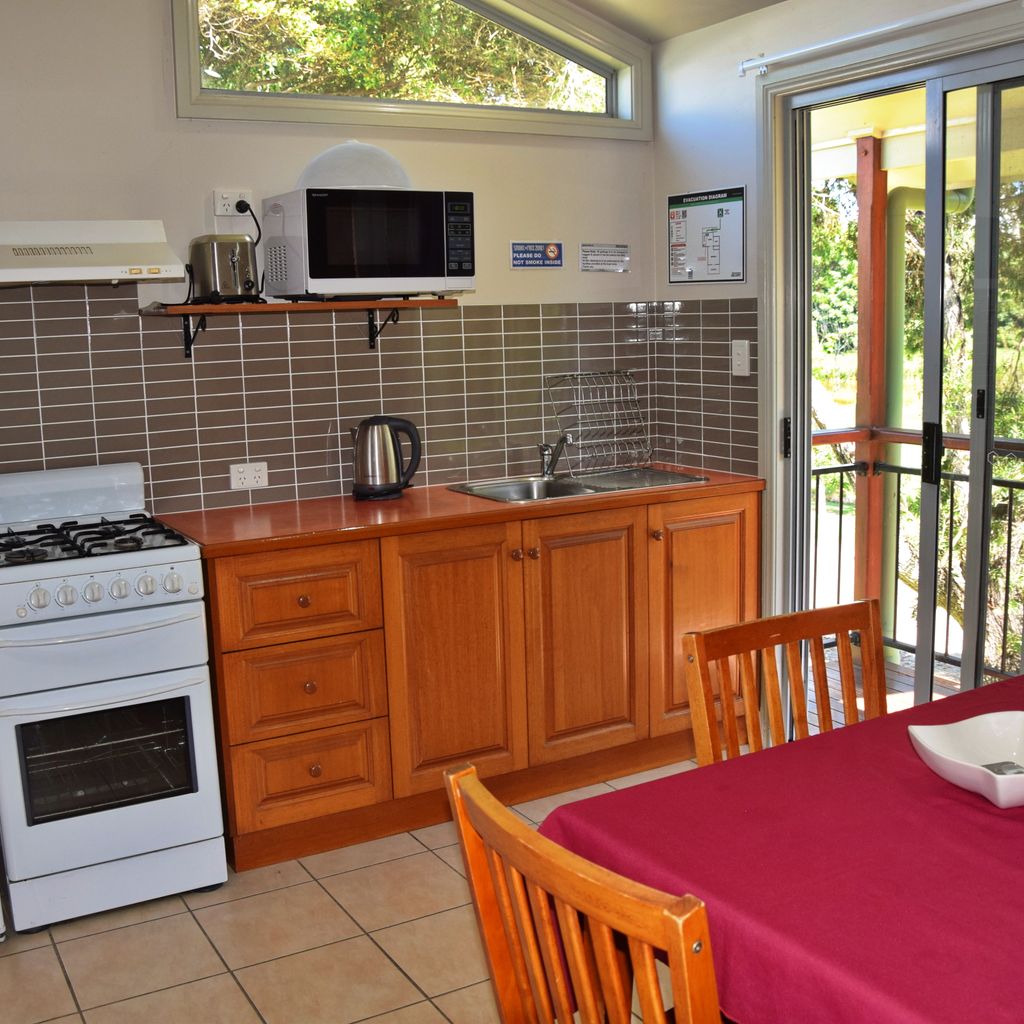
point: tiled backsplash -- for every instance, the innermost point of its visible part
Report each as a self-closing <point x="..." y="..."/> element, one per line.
<point x="85" y="379"/>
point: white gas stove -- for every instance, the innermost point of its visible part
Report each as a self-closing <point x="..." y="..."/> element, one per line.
<point x="109" y="790"/>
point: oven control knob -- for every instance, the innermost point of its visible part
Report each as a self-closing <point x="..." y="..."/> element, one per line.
<point x="93" y="592"/>
<point x="145" y="585"/>
<point x="39" y="598"/>
<point x="119" y="589"/>
<point x="173" y="582"/>
<point x="66" y="595"/>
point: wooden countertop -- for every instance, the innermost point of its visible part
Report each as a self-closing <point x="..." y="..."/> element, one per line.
<point x="282" y="524"/>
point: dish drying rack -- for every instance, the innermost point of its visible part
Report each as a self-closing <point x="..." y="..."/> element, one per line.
<point x="598" y="412"/>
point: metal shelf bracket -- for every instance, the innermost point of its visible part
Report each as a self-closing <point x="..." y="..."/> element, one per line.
<point x="188" y="335"/>
<point x="372" y="327"/>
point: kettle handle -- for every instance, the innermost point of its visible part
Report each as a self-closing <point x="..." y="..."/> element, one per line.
<point x="400" y="426"/>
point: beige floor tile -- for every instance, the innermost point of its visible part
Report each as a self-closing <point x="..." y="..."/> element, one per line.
<point x="32" y="987"/>
<point x="335" y="984"/>
<point x="151" y="910"/>
<point x="126" y="962"/>
<point x="420" y="1013"/>
<point x="452" y="856"/>
<point x="362" y="855"/>
<point x="17" y="943"/>
<point x="434" y="836"/>
<point x="538" y="810"/>
<point x="651" y="774"/>
<point x="274" y="924"/>
<point x="473" y="1005"/>
<point x="74" y="1018"/>
<point x="400" y="890"/>
<point x="250" y="883"/>
<point x="440" y="953"/>
<point x="216" y="1000"/>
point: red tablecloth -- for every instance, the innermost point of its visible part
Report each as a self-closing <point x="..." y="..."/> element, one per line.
<point x="845" y="881"/>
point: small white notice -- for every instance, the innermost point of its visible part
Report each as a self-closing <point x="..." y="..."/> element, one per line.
<point x="705" y="236"/>
<point x="611" y="257"/>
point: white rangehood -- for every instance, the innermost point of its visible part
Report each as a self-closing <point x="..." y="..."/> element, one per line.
<point x="37" y="251"/>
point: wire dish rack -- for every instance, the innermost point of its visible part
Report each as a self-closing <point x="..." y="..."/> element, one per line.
<point x="599" y="415"/>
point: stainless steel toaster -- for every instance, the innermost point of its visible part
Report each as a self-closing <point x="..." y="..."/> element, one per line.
<point x="222" y="268"/>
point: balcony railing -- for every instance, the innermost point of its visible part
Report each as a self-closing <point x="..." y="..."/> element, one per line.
<point x="832" y="572"/>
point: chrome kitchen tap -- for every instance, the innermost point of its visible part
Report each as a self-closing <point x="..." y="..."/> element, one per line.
<point x="549" y="456"/>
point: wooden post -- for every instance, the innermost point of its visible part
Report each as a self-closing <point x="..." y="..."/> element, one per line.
<point x="872" y="199"/>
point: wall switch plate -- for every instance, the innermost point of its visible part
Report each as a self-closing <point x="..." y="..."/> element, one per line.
<point x="741" y="358"/>
<point x="224" y="200"/>
<point x="247" y="475"/>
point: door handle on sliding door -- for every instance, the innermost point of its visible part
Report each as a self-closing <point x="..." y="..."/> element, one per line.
<point x="931" y="453"/>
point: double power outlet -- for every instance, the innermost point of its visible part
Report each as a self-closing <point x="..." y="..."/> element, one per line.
<point x="224" y="200"/>
<point x="247" y="475"/>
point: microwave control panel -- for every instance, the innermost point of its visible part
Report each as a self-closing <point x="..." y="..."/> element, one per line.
<point x="458" y="227"/>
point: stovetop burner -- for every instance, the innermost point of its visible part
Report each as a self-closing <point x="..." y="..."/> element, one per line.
<point x="47" y="542"/>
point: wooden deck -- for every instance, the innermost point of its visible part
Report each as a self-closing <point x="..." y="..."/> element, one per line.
<point x="899" y="679"/>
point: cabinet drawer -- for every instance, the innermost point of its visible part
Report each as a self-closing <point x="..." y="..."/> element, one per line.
<point x="280" y="781"/>
<point x="297" y="594"/>
<point x="289" y="688"/>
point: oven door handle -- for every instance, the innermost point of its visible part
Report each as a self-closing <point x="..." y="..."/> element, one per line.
<point x="82" y="638"/>
<point x="119" y="701"/>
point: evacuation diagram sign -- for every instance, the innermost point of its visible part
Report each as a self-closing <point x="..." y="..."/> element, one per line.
<point x="705" y="236"/>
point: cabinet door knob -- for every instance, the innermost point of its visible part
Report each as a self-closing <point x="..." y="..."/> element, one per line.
<point x="534" y="553"/>
<point x="658" y="534"/>
<point x="304" y="600"/>
<point x="316" y="770"/>
<point x="517" y="554"/>
<point x="310" y="687"/>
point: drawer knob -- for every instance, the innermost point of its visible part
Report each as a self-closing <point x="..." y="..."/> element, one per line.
<point x="534" y="553"/>
<point x="658" y="534"/>
<point x="316" y="770"/>
<point x="517" y="554"/>
<point x="303" y="600"/>
<point x="310" y="687"/>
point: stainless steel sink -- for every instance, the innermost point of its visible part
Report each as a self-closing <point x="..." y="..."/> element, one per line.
<point x="541" y="488"/>
<point x="526" y="488"/>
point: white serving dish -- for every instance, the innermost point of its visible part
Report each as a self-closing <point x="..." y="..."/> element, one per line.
<point x="960" y="752"/>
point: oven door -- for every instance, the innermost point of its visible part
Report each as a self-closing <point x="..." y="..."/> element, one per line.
<point x="107" y="770"/>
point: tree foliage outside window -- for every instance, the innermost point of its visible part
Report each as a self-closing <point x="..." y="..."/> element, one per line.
<point x="434" y="51"/>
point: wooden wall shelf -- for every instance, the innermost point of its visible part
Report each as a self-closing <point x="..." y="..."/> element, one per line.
<point x="371" y="306"/>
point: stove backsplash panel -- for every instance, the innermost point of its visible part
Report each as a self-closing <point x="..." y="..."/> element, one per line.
<point x="85" y="379"/>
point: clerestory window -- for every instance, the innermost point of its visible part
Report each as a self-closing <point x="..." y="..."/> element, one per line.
<point x="440" y="63"/>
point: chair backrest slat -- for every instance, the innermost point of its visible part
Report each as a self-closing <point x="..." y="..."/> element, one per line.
<point x="565" y="936"/>
<point x="710" y="653"/>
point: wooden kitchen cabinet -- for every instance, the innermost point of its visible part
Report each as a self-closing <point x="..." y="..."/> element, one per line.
<point x="301" y="683"/>
<point x="585" y="581"/>
<point x="453" y="602"/>
<point x="703" y="572"/>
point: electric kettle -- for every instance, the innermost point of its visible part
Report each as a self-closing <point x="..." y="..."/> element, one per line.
<point x="379" y="472"/>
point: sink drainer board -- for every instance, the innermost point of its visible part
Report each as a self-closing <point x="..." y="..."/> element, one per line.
<point x="600" y="412"/>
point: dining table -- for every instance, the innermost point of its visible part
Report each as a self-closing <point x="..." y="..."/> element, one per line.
<point x="845" y="881"/>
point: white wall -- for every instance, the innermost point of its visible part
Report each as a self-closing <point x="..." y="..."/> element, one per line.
<point x="89" y="132"/>
<point x="706" y="115"/>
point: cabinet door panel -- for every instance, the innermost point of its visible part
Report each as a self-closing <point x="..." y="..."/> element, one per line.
<point x="453" y="606"/>
<point x="314" y="684"/>
<point x="586" y="600"/>
<point x="704" y="573"/>
<point x="297" y="594"/>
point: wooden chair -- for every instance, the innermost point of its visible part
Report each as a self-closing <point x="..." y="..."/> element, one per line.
<point x="712" y="658"/>
<point x="562" y="934"/>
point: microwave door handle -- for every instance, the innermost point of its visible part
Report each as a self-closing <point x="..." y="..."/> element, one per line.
<point x="119" y="701"/>
<point x="106" y="635"/>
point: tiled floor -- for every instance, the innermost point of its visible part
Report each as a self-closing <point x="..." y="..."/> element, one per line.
<point x="382" y="932"/>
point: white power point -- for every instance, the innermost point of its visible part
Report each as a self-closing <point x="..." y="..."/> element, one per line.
<point x="224" y="200"/>
<point x="247" y="475"/>
<point x="741" y="358"/>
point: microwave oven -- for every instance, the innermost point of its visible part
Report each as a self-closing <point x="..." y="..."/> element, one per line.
<point x="368" y="243"/>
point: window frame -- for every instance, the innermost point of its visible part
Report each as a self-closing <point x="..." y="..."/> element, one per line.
<point x="591" y="42"/>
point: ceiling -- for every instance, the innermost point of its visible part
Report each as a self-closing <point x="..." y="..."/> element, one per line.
<point x="658" y="20"/>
